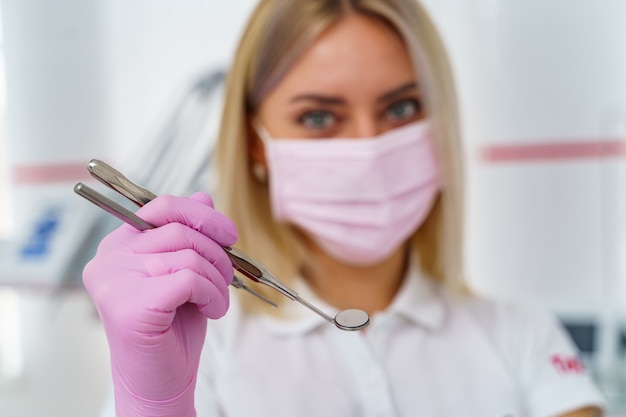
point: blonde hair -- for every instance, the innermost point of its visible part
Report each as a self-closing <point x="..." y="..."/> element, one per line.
<point x="278" y="32"/>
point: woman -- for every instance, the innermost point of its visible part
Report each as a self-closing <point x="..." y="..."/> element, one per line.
<point x="339" y="163"/>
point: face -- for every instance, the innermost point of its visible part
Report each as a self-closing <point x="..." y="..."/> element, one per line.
<point x="355" y="81"/>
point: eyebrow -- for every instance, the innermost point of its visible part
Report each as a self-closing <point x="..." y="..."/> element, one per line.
<point x="332" y="100"/>
<point x="320" y="99"/>
<point x="410" y="86"/>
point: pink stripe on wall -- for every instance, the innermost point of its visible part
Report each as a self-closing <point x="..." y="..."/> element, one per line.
<point x="553" y="151"/>
<point x="503" y="153"/>
<point x="48" y="173"/>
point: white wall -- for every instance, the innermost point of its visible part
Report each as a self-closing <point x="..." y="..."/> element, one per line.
<point x="543" y="79"/>
<point x="154" y="50"/>
<point x="92" y="79"/>
<point x="5" y="206"/>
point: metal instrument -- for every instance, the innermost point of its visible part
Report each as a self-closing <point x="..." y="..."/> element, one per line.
<point x="351" y="319"/>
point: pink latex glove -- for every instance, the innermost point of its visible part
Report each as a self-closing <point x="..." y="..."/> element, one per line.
<point x="154" y="291"/>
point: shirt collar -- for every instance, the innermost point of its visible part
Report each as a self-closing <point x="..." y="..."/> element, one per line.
<point x="419" y="301"/>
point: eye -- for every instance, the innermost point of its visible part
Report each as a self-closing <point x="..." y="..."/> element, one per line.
<point x="403" y="110"/>
<point x="317" y="119"/>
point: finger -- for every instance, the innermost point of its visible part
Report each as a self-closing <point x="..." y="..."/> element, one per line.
<point x="150" y="301"/>
<point x="195" y="214"/>
<point x="169" y="292"/>
<point x="173" y="262"/>
<point x="176" y="237"/>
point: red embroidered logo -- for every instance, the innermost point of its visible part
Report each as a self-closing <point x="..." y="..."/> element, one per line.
<point x="567" y="364"/>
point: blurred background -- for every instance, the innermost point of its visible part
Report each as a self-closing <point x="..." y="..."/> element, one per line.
<point x="138" y="84"/>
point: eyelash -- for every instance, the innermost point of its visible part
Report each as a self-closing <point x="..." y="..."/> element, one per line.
<point x="416" y="108"/>
<point x="302" y="119"/>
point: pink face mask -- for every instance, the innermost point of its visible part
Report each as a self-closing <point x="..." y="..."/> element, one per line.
<point x="359" y="199"/>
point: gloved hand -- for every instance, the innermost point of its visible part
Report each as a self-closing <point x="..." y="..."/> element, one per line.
<point x="154" y="291"/>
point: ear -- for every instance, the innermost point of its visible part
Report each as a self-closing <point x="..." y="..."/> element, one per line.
<point x="256" y="153"/>
<point x="256" y="150"/>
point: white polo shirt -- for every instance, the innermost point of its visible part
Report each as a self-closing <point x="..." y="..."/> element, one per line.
<point x="429" y="354"/>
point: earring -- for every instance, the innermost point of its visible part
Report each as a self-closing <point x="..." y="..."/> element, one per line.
<point x="260" y="172"/>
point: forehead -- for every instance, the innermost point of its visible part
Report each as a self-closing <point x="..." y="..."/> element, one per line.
<point x="358" y="55"/>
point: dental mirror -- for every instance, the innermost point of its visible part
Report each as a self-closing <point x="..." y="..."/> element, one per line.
<point x="350" y="319"/>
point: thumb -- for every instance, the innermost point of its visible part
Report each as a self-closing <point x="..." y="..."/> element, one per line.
<point x="203" y="198"/>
